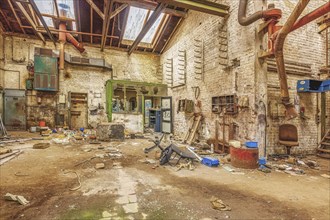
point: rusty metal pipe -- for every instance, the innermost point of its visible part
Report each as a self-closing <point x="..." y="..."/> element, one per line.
<point x="267" y="14"/>
<point x="75" y="43"/>
<point x="62" y="39"/>
<point x="279" y="43"/>
<point x="324" y="9"/>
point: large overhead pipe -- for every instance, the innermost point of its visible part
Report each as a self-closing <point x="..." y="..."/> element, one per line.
<point x="279" y="43"/>
<point x="267" y="14"/>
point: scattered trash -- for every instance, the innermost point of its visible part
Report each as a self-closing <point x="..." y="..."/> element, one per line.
<point x="20" y="174"/>
<point x="41" y="146"/>
<point x="75" y="188"/>
<point x="325" y="176"/>
<point x="291" y="160"/>
<point x="117" y="165"/>
<point x="219" y="204"/>
<point x="106" y="214"/>
<point x="187" y="165"/>
<point x="89" y="159"/>
<point x="147" y="161"/>
<point x="264" y="169"/>
<point x="17" y="198"/>
<point x="99" y="166"/>
<point x="131" y="208"/>
<point x="211" y="162"/>
<point x="229" y="169"/>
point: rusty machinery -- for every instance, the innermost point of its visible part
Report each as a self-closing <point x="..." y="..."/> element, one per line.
<point x="276" y="36"/>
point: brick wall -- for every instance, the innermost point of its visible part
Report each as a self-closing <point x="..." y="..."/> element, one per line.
<point x="223" y="77"/>
<point x="90" y="80"/>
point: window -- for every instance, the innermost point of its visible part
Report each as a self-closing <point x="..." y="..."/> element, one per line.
<point x="137" y="18"/>
<point x="46" y="6"/>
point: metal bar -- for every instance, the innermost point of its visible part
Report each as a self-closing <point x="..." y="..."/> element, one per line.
<point x="77" y="14"/>
<point x="56" y="8"/>
<point x="201" y="6"/>
<point x="27" y="16"/>
<point x="279" y="43"/>
<point x="17" y="18"/>
<point x="36" y="9"/>
<point x="324" y="9"/>
<point x="91" y="24"/>
<point x="152" y="6"/>
<point x="160" y="8"/>
<point x="95" y="8"/>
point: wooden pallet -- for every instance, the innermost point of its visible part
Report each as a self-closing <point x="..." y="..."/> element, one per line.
<point x="191" y="133"/>
<point x="323" y="149"/>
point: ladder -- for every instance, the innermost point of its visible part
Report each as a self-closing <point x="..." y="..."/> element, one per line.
<point x="3" y="131"/>
<point x="323" y="149"/>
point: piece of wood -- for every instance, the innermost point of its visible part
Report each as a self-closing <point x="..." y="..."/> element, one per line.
<point x="6" y="20"/>
<point x="106" y="21"/>
<point x="95" y="8"/>
<point x="195" y="127"/>
<point x="5" y="160"/>
<point x="15" y="14"/>
<point x="27" y="16"/>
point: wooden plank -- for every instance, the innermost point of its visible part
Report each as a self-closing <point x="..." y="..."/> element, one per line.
<point x="201" y="6"/>
<point x="36" y="10"/>
<point x="6" y="20"/>
<point x="27" y="16"/>
<point x="95" y="8"/>
<point x="17" y="18"/>
<point x="106" y="21"/>
<point x="195" y="127"/>
<point x="112" y="15"/>
<point x="152" y="6"/>
<point x="158" y="11"/>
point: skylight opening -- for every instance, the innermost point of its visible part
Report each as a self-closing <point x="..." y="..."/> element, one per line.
<point x="45" y="6"/>
<point x="66" y="5"/>
<point x="137" y="17"/>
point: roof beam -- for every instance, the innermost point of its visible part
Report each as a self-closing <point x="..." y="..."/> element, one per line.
<point x="17" y="18"/>
<point x="106" y="21"/>
<point x="95" y="8"/>
<point x="201" y="6"/>
<point x="27" y="16"/>
<point x="111" y="15"/>
<point x="151" y="6"/>
<point x="158" y="11"/>
<point x="36" y="9"/>
<point x="6" y="20"/>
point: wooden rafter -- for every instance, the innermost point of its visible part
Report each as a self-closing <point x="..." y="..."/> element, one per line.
<point x="30" y="20"/>
<point x="123" y="28"/>
<point x="44" y="24"/>
<point x="152" y="6"/>
<point x="106" y="21"/>
<point x="162" y="32"/>
<point x="17" y="18"/>
<point x="200" y="5"/>
<point x="77" y="14"/>
<point x="6" y="20"/>
<point x="91" y="24"/>
<point x="111" y="15"/>
<point x="158" y="11"/>
<point x="95" y="8"/>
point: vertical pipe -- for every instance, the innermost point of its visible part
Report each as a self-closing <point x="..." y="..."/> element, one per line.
<point x="279" y="44"/>
<point x="62" y="39"/>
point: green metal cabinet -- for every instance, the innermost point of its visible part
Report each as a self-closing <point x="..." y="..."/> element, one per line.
<point x="45" y="73"/>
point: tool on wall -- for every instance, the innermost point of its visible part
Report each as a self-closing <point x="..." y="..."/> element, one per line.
<point x="197" y="91"/>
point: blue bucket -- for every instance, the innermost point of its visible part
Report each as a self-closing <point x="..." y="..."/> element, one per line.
<point x="251" y="144"/>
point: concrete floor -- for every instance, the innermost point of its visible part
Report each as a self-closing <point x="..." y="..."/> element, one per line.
<point x="130" y="189"/>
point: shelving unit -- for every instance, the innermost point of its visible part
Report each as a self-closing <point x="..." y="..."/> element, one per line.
<point x="227" y="103"/>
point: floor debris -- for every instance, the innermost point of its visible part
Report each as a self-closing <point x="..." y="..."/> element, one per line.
<point x="325" y="176"/>
<point x="99" y="166"/>
<point x="78" y="187"/>
<point x="41" y="145"/>
<point x="12" y="156"/>
<point x="219" y="204"/>
<point x="20" y="199"/>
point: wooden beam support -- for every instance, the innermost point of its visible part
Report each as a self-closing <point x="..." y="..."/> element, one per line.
<point x="91" y="24"/>
<point x="158" y="11"/>
<point x="36" y="10"/>
<point x="6" y="20"/>
<point x="27" y="16"/>
<point x="77" y="14"/>
<point x="152" y="6"/>
<point x="17" y="18"/>
<point x="56" y="8"/>
<point x="200" y="5"/>
<point x="95" y="8"/>
<point x="106" y="22"/>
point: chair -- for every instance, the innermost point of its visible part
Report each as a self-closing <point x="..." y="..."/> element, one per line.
<point x="288" y="136"/>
